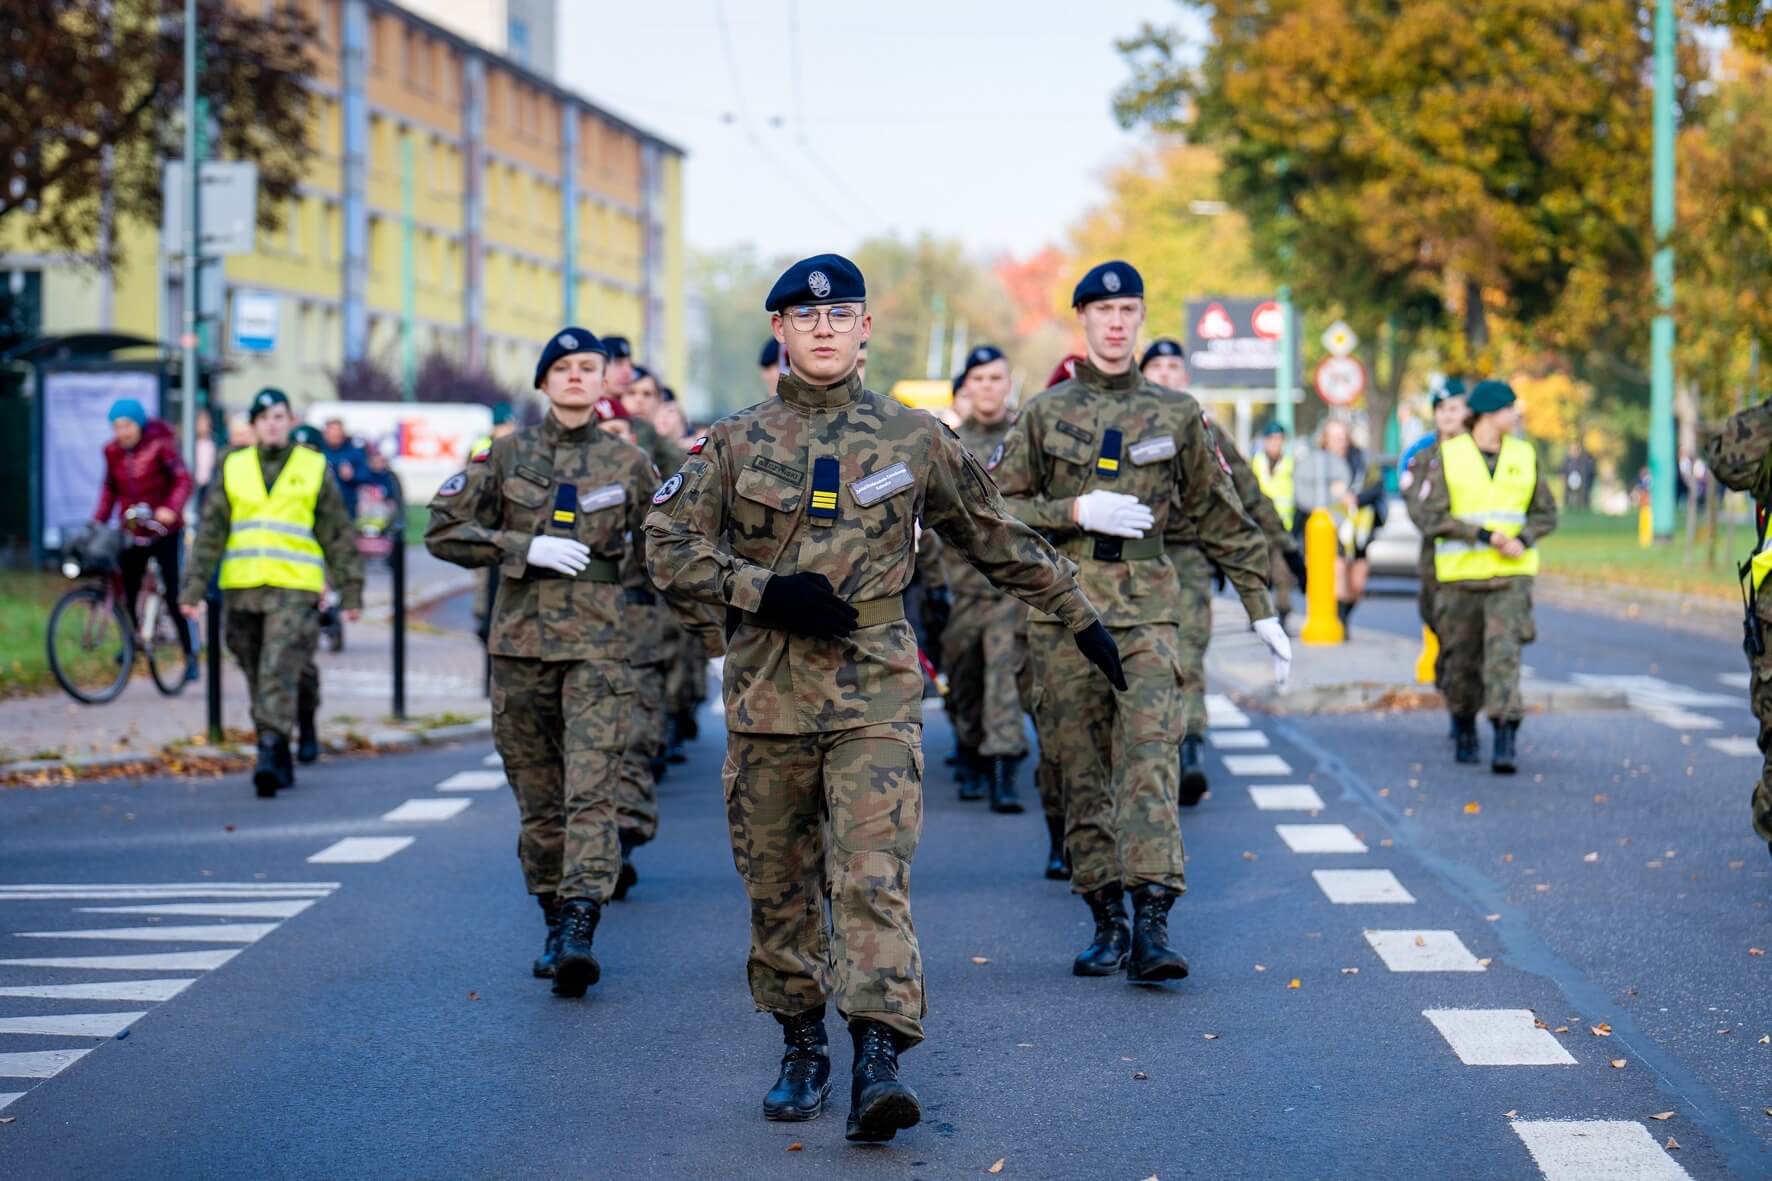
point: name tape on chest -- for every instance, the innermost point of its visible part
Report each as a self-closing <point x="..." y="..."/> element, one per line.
<point x="780" y="471"/>
<point x="606" y="496"/>
<point x="1152" y="450"/>
<point x="539" y="479"/>
<point x="1107" y="464"/>
<point x="1074" y="431"/>
<point x="871" y="490"/>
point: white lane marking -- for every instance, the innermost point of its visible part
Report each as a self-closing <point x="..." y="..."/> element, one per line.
<point x="213" y="933"/>
<point x="360" y="850"/>
<point x="1320" y="838"/>
<point x="71" y="1024"/>
<point x="1356" y="887"/>
<point x="473" y="781"/>
<point x="420" y="810"/>
<point x="492" y="760"/>
<point x="8" y="1096"/>
<point x="1675" y="718"/>
<point x="1222" y="711"/>
<point x="39" y="1063"/>
<point x="1236" y="739"/>
<point x="1287" y="797"/>
<point x="1597" y="1150"/>
<point x="1739" y="747"/>
<point x="1498" y="1037"/>
<point x="172" y="961"/>
<point x="1653" y="692"/>
<point x="1257" y="765"/>
<point x="1423" y="951"/>
<point x="1734" y="680"/>
<point x="132" y="892"/>
<point x="110" y="990"/>
<point x="217" y="910"/>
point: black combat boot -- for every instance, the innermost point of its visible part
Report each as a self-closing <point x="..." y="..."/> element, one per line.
<point x="805" y="1080"/>
<point x="1058" y="858"/>
<point x="1452" y="727"/>
<point x="1193" y="772"/>
<point x="629" y="877"/>
<point x="1466" y="740"/>
<point x="267" y="776"/>
<point x="673" y="741"/>
<point x="543" y="968"/>
<point x="1501" y="760"/>
<point x="307" y="742"/>
<point x="1002" y="783"/>
<point x="1152" y="957"/>
<point x="575" y="968"/>
<point x="971" y="775"/>
<point x="687" y="729"/>
<point x="1107" y="954"/>
<point x="879" y="1104"/>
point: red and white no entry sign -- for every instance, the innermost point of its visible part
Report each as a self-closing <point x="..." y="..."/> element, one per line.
<point x="1341" y="380"/>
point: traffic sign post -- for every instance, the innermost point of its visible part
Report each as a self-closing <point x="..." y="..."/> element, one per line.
<point x="1340" y="380"/>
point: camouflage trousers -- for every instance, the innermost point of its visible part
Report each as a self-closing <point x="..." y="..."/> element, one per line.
<point x="864" y="788"/>
<point x="1194" y="633"/>
<point x="561" y="726"/>
<point x="1483" y="627"/>
<point x="686" y="677"/>
<point x="1117" y="753"/>
<point x="636" y="797"/>
<point x="981" y="651"/>
<point x="1761" y="700"/>
<point x="276" y="652"/>
<point x="1048" y="775"/>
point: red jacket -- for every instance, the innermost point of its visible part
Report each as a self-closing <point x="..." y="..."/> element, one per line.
<point x="151" y="473"/>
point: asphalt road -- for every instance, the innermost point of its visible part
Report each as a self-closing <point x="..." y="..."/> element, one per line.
<point x="391" y="1028"/>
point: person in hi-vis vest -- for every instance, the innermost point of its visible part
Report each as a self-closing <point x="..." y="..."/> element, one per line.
<point x="277" y="527"/>
<point x="1487" y="506"/>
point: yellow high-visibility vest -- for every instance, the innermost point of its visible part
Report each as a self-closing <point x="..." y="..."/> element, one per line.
<point x="1277" y="485"/>
<point x="1497" y="503"/>
<point x="1762" y="563"/>
<point x="271" y="536"/>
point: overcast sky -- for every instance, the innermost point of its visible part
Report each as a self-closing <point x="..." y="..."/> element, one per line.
<point x="984" y="120"/>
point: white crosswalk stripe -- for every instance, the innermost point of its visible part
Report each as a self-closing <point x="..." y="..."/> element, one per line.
<point x="1739" y="747"/>
<point x="269" y="909"/>
<point x="105" y="990"/>
<point x="1287" y="797"/>
<point x="1320" y="838"/>
<point x="133" y="892"/>
<point x="1257" y="765"/>
<point x="360" y="850"/>
<point x="492" y="760"/>
<point x="1423" y="951"/>
<point x="473" y="781"/>
<point x="1236" y="739"/>
<point x="7" y="1097"/>
<point x="1222" y="711"/>
<point x="1358" y="887"/>
<point x="213" y="933"/>
<point x="71" y="1024"/>
<point x="39" y="1063"/>
<point x="1498" y="1037"/>
<point x="180" y="961"/>
<point x="1597" y="1150"/>
<point x="427" y="810"/>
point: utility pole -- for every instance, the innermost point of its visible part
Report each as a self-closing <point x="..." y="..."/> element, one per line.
<point x="1285" y="381"/>
<point x="193" y="265"/>
<point x="1662" y="461"/>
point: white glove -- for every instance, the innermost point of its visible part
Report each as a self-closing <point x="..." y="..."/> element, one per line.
<point x="1274" y="636"/>
<point x="1112" y="513"/>
<point x="558" y="553"/>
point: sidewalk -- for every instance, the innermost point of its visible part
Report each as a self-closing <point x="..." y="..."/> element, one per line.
<point x="53" y="735"/>
<point x="1373" y="671"/>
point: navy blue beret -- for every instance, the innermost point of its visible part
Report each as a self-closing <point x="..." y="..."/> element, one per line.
<point x="984" y="354"/>
<point x="1162" y="347"/>
<point x="959" y="380"/>
<point x="1490" y="396"/>
<point x="770" y="357"/>
<point x="1110" y="280"/>
<point x="1454" y="388"/>
<point x="823" y="278"/>
<point x="617" y="348"/>
<point x="564" y="343"/>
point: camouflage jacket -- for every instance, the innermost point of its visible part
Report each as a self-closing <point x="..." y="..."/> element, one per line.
<point x="333" y="529"/>
<point x="742" y="509"/>
<point x="1739" y="452"/>
<point x="665" y="455"/>
<point x="1425" y="466"/>
<point x="1430" y="507"/>
<point x="1256" y="505"/>
<point x="1056" y="451"/>
<point x="488" y="515"/>
<point x="982" y="439"/>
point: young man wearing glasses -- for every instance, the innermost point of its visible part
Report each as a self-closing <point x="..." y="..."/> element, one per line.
<point x="798" y="516"/>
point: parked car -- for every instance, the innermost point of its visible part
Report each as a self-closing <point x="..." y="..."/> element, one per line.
<point x="1395" y="550"/>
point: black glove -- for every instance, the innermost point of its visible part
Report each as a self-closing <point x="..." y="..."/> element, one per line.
<point x="805" y="603"/>
<point x="937" y="610"/>
<point x="1295" y="563"/>
<point x="1095" y="643"/>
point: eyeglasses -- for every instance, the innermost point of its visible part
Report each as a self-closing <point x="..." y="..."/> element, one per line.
<point x="840" y="317"/>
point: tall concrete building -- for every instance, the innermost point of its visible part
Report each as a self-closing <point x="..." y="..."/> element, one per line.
<point x="521" y="30"/>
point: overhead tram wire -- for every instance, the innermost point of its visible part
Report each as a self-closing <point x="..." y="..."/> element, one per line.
<point x="830" y="174"/>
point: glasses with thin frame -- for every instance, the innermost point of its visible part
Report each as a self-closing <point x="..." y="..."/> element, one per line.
<point x="841" y="318"/>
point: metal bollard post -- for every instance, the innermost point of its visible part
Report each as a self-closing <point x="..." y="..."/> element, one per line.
<point x="1322" y="623"/>
<point x="397" y="558"/>
<point x="1430" y="654"/>
<point x="212" y="659"/>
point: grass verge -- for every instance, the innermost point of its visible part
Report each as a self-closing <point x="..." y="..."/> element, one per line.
<point x="1603" y="550"/>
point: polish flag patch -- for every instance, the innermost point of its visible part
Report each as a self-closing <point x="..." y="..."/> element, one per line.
<point x="695" y="447"/>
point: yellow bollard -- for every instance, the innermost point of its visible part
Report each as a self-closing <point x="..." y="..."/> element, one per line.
<point x="1645" y="525"/>
<point x="1430" y="652"/>
<point x="1322" y="624"/>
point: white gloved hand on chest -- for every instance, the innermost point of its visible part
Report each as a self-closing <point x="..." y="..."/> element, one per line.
<point x="1114" y="514"/>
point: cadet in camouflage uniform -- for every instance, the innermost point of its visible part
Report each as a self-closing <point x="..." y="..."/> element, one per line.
<point x="799" y="517"/>
<point x="1103" y="463"/>
<point x="271" y="537"/>
<point x="1419" y="463"/>
<point x="1486" y="505"/>
<point x="558" y="509"/>
<point x="981" y="650"/>
<point x="1740" y="455"/>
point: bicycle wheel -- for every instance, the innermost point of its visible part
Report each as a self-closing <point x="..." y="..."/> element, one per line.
<point x="91" y="646"/>
<point x="166" y="652"/>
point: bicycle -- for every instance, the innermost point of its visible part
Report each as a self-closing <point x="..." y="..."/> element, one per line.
<point x="92" y="647"/>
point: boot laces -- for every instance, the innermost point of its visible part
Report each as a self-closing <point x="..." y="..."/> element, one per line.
<point x="578" y="922"/>
<point x="804" y="1042"/>
<point x="878" y="1055"/>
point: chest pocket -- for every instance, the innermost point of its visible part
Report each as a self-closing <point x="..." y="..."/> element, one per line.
<point x="887" y="514"/>
<point x="523" y="503"/>
<point x="1075" y="456"/>
<point x="763" y="511"/>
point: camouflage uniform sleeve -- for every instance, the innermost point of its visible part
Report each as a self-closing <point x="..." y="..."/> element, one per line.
<point x="1739" y="453"/>
<point x="1210" y="500"/>
<point x="337" y="536"/>
<point x="697" y="618"/>
<point x="962" y="503"/>
<point x="1020" y="474"/>
<point x="466" y="515"/>
<point x="931" y="570"/>
<point x="685" y="531"/>
<point x="1425" y="466"/>
<point x="1255" y="502"/>
<point x="211" y="539"/>
<point x="1541" y="514"/>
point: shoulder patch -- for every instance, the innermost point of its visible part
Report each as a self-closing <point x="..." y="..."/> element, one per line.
<point x="668" y="489"/>
<point x="481" y="455"/>
<point x="995" y="459"/>
<point x="453" y="484"/>
<point x="695" y="448"/>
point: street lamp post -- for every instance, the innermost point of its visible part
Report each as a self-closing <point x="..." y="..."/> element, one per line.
<point x="192" y="264"/>
<point x="1661" y="340"/>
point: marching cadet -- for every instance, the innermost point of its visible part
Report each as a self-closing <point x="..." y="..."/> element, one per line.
<point x="1486" y="507"/>
<point x="1737" y="456"/>
<point x="279" y="530"/>
<point x="558" y="508"/>
<point x="799" y="516"/>
<point x="1102" y="463"/>
<point x="1165" y="363"/>
<point x="980" y="650"/>
<point x="1421" y="461"/>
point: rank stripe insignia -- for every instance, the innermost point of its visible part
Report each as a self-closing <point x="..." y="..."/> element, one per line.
<point x="563" y="517"/>
<point x="825" y="479"/>
<point x="1107" y="464"/>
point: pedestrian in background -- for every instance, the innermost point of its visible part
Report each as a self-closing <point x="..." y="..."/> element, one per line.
<point x="143" y="467"/>
<point x="348" y="459"/>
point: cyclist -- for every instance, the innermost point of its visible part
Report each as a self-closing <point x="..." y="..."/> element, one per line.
<point x="143" y="467"/>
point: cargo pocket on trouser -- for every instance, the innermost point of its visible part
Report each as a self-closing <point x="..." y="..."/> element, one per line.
<point x="598" y="699"/>
<point x="1148" y="774"/>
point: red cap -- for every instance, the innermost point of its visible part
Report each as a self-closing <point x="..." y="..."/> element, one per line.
<point x="1065" y="370"/>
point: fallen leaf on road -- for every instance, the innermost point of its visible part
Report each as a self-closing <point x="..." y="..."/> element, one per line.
<point x="1384" y="791"/>
<point x="1618" y="1064"/>
<point x="1590" y="857"/>
<point x="1350" y="971"/>
<point x="1491" y="918"/>
<point x="1421" y="941"/>
<point x="1248" y="856"/>
<point x="9" y="1118"/>
<point x="1672" y="1143"/>
<point x="1662" y="1115"/>
<point x="1211" y="1037"/>
<point x="1296" y="983"/>
<point x="796" y="1146"/>
<point x="1756" y="951"/>
<point x="1511" y="1113"/>
<point x="1601" y="797"/>
<point x="1766" y="1041"/>
<point x="1261" y="967"/>
<point x="1123" y="1058"/>
<point x="1140" y="1076"/>
<point x="1472" y="808"/>
<point x="1024" y="1045"/>
<point x="1540" y="1023"/>
<point x="1736" y="864"/>
<point x="998" y="1167"/>
<point x="227" y="828"/>
<point x="1724" y="1032"/>
<point x="1386" y="842"/>
<point x="981" y="959"/>
<point x="1542" y="887"/>
<point x="1653" y="864"/>
<point x="1600" y="1030"/>
<point x="1561" y="1029"/>
<point x="1484" y="962"/>
<point x="473" y="996"/>
<point x="1152" y="1177"/>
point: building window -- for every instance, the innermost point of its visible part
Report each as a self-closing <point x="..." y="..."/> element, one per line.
<point x="517" y="36"/>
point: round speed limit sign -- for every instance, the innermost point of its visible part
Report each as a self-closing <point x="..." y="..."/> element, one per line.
<point x="1341" y="380"/>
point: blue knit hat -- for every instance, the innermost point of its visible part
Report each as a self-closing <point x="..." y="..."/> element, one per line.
<point x="128" y="408"/>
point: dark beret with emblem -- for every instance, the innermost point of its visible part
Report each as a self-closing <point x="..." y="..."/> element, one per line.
<point x="666" y="394"/>
<point x="823" y="278"/>
<point x="265" y="399"/>
<point x="565" y="343"/>
<point x="1274" y="428"/>
<point x="1454" y="388"/>
<point x="307" y="436"/>
<point x="618" y="348"/>
<point x="1162" y="347"/>
<point x="502" y="413"/>
<point x="1110" y="280"/>
<point x="984" y="354"/>
<point x="959" y="380"/>
<point x="1490" y="396"/>
<point x="770" y="357"/>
